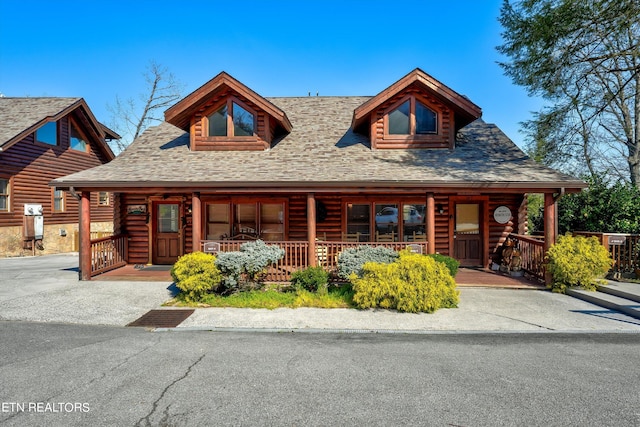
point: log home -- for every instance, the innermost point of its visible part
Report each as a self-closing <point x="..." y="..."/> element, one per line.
<point x="42" y="139"/>
<point x="413" y="165"/>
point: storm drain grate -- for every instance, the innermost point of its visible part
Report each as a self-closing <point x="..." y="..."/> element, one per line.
<point x="162" y="318"/>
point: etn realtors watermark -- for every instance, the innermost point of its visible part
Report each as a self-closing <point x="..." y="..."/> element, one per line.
<point x="44" y="407"/>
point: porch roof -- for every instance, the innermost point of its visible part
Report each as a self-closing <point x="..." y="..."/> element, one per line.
<point x="322" y="152"/>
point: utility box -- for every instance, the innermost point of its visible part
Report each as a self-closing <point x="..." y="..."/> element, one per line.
<point x="33" y="222"/>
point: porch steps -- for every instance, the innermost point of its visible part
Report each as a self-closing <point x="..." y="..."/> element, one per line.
<point x="618" y="296"/>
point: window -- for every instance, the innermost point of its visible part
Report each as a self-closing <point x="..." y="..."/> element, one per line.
<point x="241" y="122"/>
<point x="48" y="133"/>
<point x="4" y="195"/>
<point x="245" y="221"/>
<point x="59" y="200"/>
<point x="76" y="140"/>
<point x="103" y="198"/>
<point x="387" y="225"/>
<point x="412" y="117"/>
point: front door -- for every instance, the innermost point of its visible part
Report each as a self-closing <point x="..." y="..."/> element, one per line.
<point x="467" y="234"/>
<point x="167" y="242"/>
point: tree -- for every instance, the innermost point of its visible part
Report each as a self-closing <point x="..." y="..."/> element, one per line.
<point x="130" y="117"/>
<point x="583" y="58"/>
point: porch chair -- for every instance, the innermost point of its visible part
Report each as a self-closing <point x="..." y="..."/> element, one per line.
<point x="418" y="237"/>
<point x="385" y="237"/>
<point x="350" y="237"/>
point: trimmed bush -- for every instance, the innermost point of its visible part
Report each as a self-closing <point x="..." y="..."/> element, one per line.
<point x="413" y="283"/>
<point x="244" y="269"/>
<point x="312" y="279"/>
<point x="577" y="261"/>
<point x="196" y="274"/>
<point x="451" y="263"/>
<point x="351" y="260"/>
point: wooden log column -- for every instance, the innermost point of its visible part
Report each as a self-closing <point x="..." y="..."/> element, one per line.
<point x="85" y="236"/>
<point x="311" y="228"/>
<point x="431" y="224"/>
<point x="196" y="222"/>
<point x="550" y="221"/>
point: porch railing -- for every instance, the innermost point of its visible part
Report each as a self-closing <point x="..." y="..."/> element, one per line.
<point x="108" y="253"/>
<point x="532" y="254"/>
<point x="296" y="254"/>
<point x="623" y="248"/>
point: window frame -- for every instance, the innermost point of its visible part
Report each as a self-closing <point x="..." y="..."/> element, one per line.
<point x="399" y="204"/>
<point x="62" y="198"/>
<point x="234" y="224"/>
<point x="107" y="201"/>
<point x="7" y="195"/>
<point x="412" y="135"/>
<point x="47" y="143"/>
<point x="228" y="102"/>
<point x="74" y="125"/>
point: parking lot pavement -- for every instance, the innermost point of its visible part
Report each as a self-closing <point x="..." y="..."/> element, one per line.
<point x="47" y="289"/>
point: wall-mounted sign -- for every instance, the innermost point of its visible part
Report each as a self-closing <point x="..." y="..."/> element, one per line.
<point x="136" y="209"/>
<point x="502" y="214"/>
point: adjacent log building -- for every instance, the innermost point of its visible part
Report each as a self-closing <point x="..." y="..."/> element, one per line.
<point x="42" y="139"/>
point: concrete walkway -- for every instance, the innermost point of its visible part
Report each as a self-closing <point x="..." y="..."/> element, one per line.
<point x="46" y="289"/>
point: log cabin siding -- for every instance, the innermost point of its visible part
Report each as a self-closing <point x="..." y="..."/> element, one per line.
<point x="499" y="232"/>
<point x="136" y="227"/>
<point x="31" y="165"/>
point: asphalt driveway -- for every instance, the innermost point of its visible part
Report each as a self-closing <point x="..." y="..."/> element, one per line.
<point x="47" y="289"/>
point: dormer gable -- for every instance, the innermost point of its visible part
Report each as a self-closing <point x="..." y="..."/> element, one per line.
<point x="224" y="114"/>
<point x="417" y="111"/>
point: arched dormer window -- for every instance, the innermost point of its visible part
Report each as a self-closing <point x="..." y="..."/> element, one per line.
<point x="411" y="117"/>
<point x="231" y="119"/>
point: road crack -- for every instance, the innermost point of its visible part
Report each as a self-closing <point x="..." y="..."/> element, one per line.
<point x="146" y="421"/>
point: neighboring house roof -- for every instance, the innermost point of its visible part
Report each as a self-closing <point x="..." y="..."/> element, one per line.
<point x="21" y="116"/>
<point x="322" y="152"/>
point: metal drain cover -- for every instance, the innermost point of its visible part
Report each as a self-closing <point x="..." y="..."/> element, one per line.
<point x="162" y="318"/>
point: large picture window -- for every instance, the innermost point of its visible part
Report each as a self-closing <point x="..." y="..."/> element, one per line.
<point x="386" y="222"/>
<point x="245" y="221"/>
<point x="231" y="120"/>
<point x="48" y="133"/>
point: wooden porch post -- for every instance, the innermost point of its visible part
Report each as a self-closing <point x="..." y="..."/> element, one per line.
<point x="431" y="224"/>
<point x="550" y="221"/>
<point x="311" y="228"/>
<point x="196" y="222"/>
<point x="85" y="236"/>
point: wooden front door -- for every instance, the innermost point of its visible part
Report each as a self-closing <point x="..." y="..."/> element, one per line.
<point x="467" y="234"/>
<point x="167" y="238"/>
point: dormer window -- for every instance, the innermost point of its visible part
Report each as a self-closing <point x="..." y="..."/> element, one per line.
<point x="232" y="120"/>
<point x="412" y="117"/>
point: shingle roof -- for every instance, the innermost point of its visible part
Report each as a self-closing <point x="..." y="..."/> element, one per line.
<point x="20" y="114"/>
<point x="322" y="151"/>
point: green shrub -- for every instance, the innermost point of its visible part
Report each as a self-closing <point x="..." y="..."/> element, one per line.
<point x="413" y="283"/>
<point x="451" y="263"/>
<point x="577" y="261"/>
<point x="196" y="274"/>
<point x="351" y="260"/>
<point x="244" y="269"/>
<point x="312" y="279"/>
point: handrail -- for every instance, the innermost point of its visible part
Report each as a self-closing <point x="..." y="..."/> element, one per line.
<point x="531" y="253"/>
<point x="108" y="253"/>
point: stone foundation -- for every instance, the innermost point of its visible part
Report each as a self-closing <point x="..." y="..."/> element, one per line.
<point x="58" y="238"/>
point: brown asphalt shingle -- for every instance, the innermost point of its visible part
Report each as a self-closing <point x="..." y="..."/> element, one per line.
<point x="321" y="150"/>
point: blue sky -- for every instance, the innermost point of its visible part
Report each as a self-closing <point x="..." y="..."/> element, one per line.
<point x="97" y="50"/>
